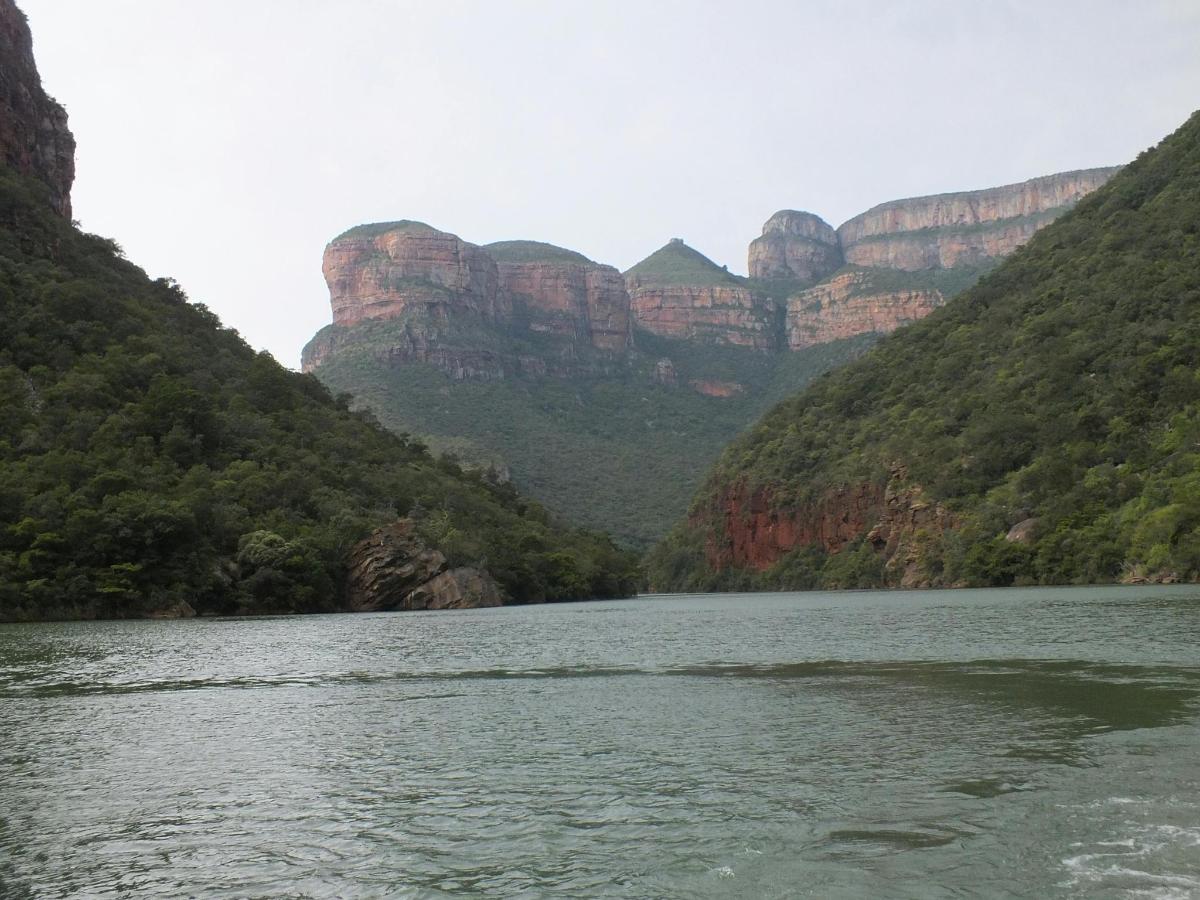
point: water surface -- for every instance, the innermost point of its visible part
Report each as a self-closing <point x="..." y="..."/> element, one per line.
<point x="1003" y="743"/>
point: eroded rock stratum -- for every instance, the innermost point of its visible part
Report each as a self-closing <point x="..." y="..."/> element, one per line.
<point x="415" y="294"/>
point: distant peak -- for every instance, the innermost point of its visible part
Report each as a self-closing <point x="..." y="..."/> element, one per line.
<point x="677" y="263"/>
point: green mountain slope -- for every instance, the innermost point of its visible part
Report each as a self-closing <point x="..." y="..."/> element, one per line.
<point x="148" y="456"/>
<point x="1060" y="394"/>
<point x="614" y="450"/>
<point x="677" y="263"/>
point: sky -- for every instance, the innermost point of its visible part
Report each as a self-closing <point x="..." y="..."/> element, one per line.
<point x="224" y="143"/>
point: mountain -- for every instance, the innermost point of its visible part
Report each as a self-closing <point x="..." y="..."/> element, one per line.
<point x="606" y="396"/>
<point x="1040" y="428"/>
<point x="151" y="463"/>
<point x="34" y="137"/>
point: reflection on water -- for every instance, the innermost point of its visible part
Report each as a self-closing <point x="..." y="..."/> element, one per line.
<point x="975" y="743"/>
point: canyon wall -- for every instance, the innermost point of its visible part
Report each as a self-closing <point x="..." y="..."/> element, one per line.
<point x="677" y="292"/>
<point x="796" y="246"/>
<point x="34" y="138"/>
<point x="848" y="304"/>
<point x="385" y="271"/>
<point x="564" y="293"/>
<point x="947" y="230"/>
<point x="450" y="303"/>
<point x="460" y="307"/>
<point x="716" y="313"/>
<point x="753" y="529"/>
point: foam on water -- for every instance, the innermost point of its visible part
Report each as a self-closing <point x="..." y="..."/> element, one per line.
<point x="1141" y="863"/>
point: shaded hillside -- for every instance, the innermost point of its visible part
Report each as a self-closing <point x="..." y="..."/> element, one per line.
<point x="148" y="456"/>
<point x="622" y="451"/>
<point x="1043" y="427"/>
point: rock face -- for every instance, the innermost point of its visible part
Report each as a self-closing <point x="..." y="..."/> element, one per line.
<point x="847" y="304"/>
<point x="565" y="293"/>
<point x="526" y="308"/>
<point x="461" y="588"/>
<point x="893" y="516"/>
<point x="678" y="293"/>
<point x="795" y="246"/>
<point x="34" y="137"/>
<point x="448" y="302"/>
<point x="385" y="271"/>
<point x="721" y="314"/>
<point x="756" y="532"/>
<point x="948" y="230"/>
<point x="393" y="569"/>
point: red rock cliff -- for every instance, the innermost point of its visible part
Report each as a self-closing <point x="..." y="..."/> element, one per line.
<point x="946" y="230"/>
<point x="724" y="314"/>
<point x="34" y="137"/>
<point x="754" y="531"/>
<point x="795" y="245"/>
<point x="847" y="305"/>
<point x="678" y="293"/>
<point x="565" y="293"/>
<point x="382" y="271"/>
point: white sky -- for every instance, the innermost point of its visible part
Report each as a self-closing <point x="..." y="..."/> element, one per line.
<point x="224" y="142"/>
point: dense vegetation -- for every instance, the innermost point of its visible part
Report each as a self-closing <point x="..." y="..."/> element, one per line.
<point x="148" y="455"/>
<point x="1062" y="388"/>
<point x="614" y="446"/>
<point x="613" y="450"/>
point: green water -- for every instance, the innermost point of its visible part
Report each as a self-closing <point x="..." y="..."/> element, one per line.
<point x="1003" y="743"/>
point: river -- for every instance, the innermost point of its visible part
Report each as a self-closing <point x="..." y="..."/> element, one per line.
<point x="994" y="743"/>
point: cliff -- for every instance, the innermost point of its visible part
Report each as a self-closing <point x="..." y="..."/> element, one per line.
<point x="558" y="291"/>
<point x="796" y="246"/>
<point x="851" y="303"/>
<point x="947" y="230"/>
<point x="754" y="529"/>
<point x="677" y="292"/>
<point x="1041" y="428"/>
<point x="385" y="271"/>
<point x="412" y="293"/>
<point x="34" y="138"/>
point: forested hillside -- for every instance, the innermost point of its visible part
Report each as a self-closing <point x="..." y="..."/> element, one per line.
<point x="1043" y="427"/>
<point x="148" y="456"/>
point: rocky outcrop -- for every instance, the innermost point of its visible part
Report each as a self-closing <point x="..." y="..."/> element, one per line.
<point x="756" y="529"/>
<point x="715" y="313"/>
<point x="34" y="138"/>
<point x="796" y="246"/>
<point x="461" y="588"/>
<point x="848" y="304"/>
<point x="526" y="308"/>
<point x="385" y="271"/>
<point x="679" y="293"/>
<point x="454" y="305"/>
<point x="968" y="228"/>
<point x="564" y="293"/>
<point x="393" y="569"/>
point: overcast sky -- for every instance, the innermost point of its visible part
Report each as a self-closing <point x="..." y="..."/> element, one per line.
<point x="224" y="142"/>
